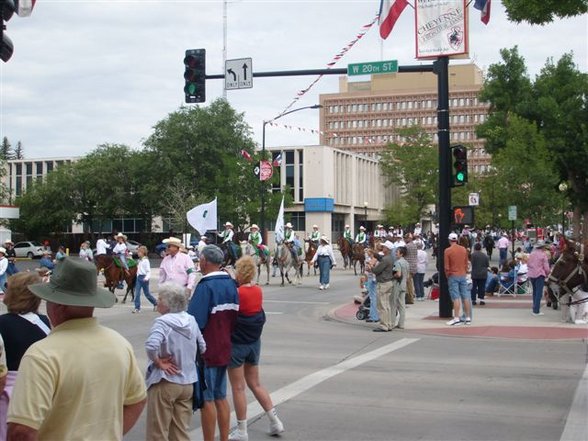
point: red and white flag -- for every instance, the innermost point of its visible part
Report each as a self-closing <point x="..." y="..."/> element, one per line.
<point x="389" y="13"/>
<point x="484" y="7"/>
<point x="246" y="155"/>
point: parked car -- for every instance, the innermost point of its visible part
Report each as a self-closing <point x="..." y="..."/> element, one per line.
<point x="28" y="249"/>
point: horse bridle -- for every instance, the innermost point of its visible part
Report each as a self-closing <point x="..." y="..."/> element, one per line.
<point x="578" y="270"/>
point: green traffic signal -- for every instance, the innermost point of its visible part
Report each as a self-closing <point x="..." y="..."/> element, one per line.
<point x="459" y="172"/>
<point x="460" y="177"/>
<point x="195" y="75"/>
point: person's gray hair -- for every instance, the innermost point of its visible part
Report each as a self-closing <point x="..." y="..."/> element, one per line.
<point x="174" y="296"/>
<point x="213" y="254"/>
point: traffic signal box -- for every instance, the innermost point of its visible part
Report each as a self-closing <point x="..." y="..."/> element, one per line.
<point x="195" y="75"/>
<point x="7" y="8"/>
<point x="459" y="169"/>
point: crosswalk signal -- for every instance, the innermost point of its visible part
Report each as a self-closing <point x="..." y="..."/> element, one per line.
<point x="459" y="175"/>
<point x="195" y="75"/>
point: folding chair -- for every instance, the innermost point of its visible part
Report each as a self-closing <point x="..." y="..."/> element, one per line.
<point x="507" y="285"/>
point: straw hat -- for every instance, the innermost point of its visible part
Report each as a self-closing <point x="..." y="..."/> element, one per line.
<point x="289" y="225"/>
<point x="173" y="241"/>
<point x="254" y="227"/>
<point x="2" y="250"/>
<point x="228" y="224"/>
<point x="325" y="239"/>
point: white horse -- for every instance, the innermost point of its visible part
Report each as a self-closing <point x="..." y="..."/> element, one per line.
<point x="286" y="262"/>
<point x="248" y="250"/>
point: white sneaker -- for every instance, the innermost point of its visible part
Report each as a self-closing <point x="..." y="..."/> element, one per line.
<point x="238" y="435"/>
<point x="468" y="321"/>
<point x="454" y="321"/>
<point x="276" y="428"/>
<point x="327" y="286"/>
<point x="537" y="314"/>
<point x="322" y="287"/>
<point x="135" y="311"/>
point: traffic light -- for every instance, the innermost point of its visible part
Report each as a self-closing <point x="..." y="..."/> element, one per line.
<point x="6" y="47"/>
<point x="459" y="170"/>
<point x="195" y="75"/>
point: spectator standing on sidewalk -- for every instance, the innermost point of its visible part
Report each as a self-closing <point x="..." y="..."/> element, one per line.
<point x="411" y="258"/>
<point x="419" y="277"/>
<point x="480" y="263"/>
<point x="384" y="272"/>
<point x="399" y="285"/>
<point x="503" y="244"/>
<point x="370" y="262"/>
<point x="456" y="267"/>
<point x="538" y="270"/>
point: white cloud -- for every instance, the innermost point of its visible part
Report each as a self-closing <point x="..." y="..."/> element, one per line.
<point x="88" y="72"/>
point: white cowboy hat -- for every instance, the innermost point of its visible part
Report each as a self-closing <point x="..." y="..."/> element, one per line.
<point x="288" y="225"/>
<point x="2" y="250"/>
<point x="380" y="226"/>
<point x="173" y="241"/>
<point x="121" y="235"/>
<point x="347" y="226"/>
<point x="325" y="239"/>
<point x="389" y="245"/>
<point x="9" y="241"/>
<point x="254" y="226"/>
<point x="228" y="224"/>
<point x="362" y="228"/>
<point x="315" y="226"/>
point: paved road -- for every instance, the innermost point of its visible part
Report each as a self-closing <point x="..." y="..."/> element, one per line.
<point x="336" y="380"/>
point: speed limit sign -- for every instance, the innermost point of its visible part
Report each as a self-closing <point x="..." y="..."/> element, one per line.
<point x="474" y="199"/>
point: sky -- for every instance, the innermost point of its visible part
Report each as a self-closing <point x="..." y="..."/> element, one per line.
<point x="88" y="72"/>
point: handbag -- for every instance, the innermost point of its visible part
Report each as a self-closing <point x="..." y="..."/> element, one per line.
<point x="200" y="385"/>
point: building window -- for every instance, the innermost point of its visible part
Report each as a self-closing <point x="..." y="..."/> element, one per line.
<point x="298" y="221"/>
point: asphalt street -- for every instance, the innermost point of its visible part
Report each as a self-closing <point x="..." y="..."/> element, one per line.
<point x="333" y="379"/>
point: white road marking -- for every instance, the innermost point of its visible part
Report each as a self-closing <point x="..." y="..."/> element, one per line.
<point x="298" y="387"/>
<point x="273" y="313"/>
<point x="576" y="427"/>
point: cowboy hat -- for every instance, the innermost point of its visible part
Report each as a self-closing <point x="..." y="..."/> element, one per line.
<point x="347" y="226"/>
<point x="362" y="228"/>
<point x="388" y="245"/>
<point x="228" y="224"/>
<point x="325" y="239"/>
<point x="380" y="226"/>
<point x="2" y="250"/>
<point x="254" y="226"/>
<point x="74" y="283"/>
<point x="288" y="225"/>
<point x="315" y="226"/>
<point x="120" y="235"/>
<point x="172" y="241"/>
<point x="9" y="241"/>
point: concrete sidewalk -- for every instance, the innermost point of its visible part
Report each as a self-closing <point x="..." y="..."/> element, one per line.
<point x="500" y="317"/>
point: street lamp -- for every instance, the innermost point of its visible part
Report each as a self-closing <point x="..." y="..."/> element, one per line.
<point x="563" y="187"/>
<point x="261" y="183"/>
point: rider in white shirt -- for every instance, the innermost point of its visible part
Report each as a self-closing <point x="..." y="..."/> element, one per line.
<point x="121" y="250"/>
<point x="101" y="246"/>
<point x="361" y="236"/>
<point x="290" y="238"/>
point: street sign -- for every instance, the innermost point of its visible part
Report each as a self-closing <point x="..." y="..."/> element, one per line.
<point x="238" y="74"/>
<point x="512" y="212"/>
<point x="372" y="68"/>
<point x="263" y="170"/>
<point x="474" y="199"/>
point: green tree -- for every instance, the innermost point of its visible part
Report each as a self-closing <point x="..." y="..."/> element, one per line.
<point x="413" y="167"/>
<point x="6" y="149"/>
<point x="18" y="151"/>
<point x="543" y="11"/>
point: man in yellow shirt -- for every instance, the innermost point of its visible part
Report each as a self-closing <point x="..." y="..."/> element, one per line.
<point x="82" y="382"/>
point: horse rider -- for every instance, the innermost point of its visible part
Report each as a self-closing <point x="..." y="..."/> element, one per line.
<point x="348" y="235"/>
<point x="101" y="246"/>
<point x="256" y="240"/>
<point x="121" y="251"/>
<point x="227" y="236"/>
<point x="383" y="233"/>
<point x="291" y="241"/>
<point x="377" y="231"/>
<point x="11" y="256"/>
<point x="315" y="236"/>
<point x="361" y="237"/>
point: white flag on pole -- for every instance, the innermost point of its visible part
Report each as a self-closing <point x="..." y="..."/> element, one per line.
<point x="280" y="224"/>
<point x="203" y="217"/>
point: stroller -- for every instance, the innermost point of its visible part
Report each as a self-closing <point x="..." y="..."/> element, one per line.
<point x="363" y="312"/>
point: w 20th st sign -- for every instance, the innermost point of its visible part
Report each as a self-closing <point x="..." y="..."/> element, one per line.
<point x="264" y="170"/>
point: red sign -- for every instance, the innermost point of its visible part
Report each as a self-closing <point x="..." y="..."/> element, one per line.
<point x="265" y="170"/>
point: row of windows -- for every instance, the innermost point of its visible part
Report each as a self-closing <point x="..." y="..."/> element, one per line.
<point x="394" y="122"/>
<point x="354" y="140"/>
<point x="399" y="105"/>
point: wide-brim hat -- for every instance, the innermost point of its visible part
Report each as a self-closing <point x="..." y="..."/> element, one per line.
<point x="362" y="228"/>
<point x="315" y="226"/>
<point x="9" y="241"/>
<point x="254" y="226"/>
<point x="380" y="226"/>
<point x="228" y="224"/>
<point x="173" y="241"/>
<point x="120" y="235"/>
<point x="325" y="239"/>
<point x="74" y="283"/>
<point x="2" y="250"/>
<point x="289" y="225"/>
<point x="347" y="226"/>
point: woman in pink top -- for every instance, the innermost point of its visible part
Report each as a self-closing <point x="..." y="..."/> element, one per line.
<point x="538" y="270"/>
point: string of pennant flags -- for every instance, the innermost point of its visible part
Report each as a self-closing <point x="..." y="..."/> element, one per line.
<point x="333" y="62"/>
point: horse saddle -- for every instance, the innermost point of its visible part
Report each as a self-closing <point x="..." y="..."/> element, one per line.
<point x="130" y="262"/>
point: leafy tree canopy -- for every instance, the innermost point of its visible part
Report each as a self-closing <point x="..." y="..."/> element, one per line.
<point x="543" y="11"/>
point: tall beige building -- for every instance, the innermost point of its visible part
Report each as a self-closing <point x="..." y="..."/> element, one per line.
<point x="363" y="116"/>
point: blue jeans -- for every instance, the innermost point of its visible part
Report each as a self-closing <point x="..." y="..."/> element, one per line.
<point x="537" y="283"/>
<point x="371" y="287"/>
<point x="324" y="263"/>
<point x="503" y="255"/>
<point x="144" y="285"/>
<point x="419" y="285"/>
<point x="3" y="280"/>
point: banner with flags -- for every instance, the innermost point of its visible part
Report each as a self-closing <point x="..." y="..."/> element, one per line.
<point x="441" y="28"/>
<point x="278" y="160"/>
<point x="484" y="7"/>
<point x="389" y="14"/>
<point x="203" y="217"/>
<point x="280" y="223"/>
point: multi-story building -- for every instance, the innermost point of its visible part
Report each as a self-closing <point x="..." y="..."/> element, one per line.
<point x="364" y="116"/>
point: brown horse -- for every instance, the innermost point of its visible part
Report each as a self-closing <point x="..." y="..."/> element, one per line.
<point x="358" y="255"/>
<point x="345" y="249"/>
<point x="311" y="248"/>
<point x="115" y="275"/>
<point x="568" y="280"/>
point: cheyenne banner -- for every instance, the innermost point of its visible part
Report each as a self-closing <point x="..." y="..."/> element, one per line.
<point x="441" y="28"/>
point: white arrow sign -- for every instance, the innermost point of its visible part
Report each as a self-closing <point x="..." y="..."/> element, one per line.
<point x="238" y="74"/>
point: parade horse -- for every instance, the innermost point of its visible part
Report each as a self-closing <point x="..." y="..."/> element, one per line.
<point x="229" y="257"/>
<point x="309" y="253"/>
<point x="286" y="262"/>
<point x="115" y="274"/>
<point x="345" y="249"/>
<point x="260" y="259"/>
<point x="358" y="255"/>
<point x="568" y="280"/>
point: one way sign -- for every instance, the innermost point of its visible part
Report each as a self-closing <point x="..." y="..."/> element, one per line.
<point x="238" y="74"/>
